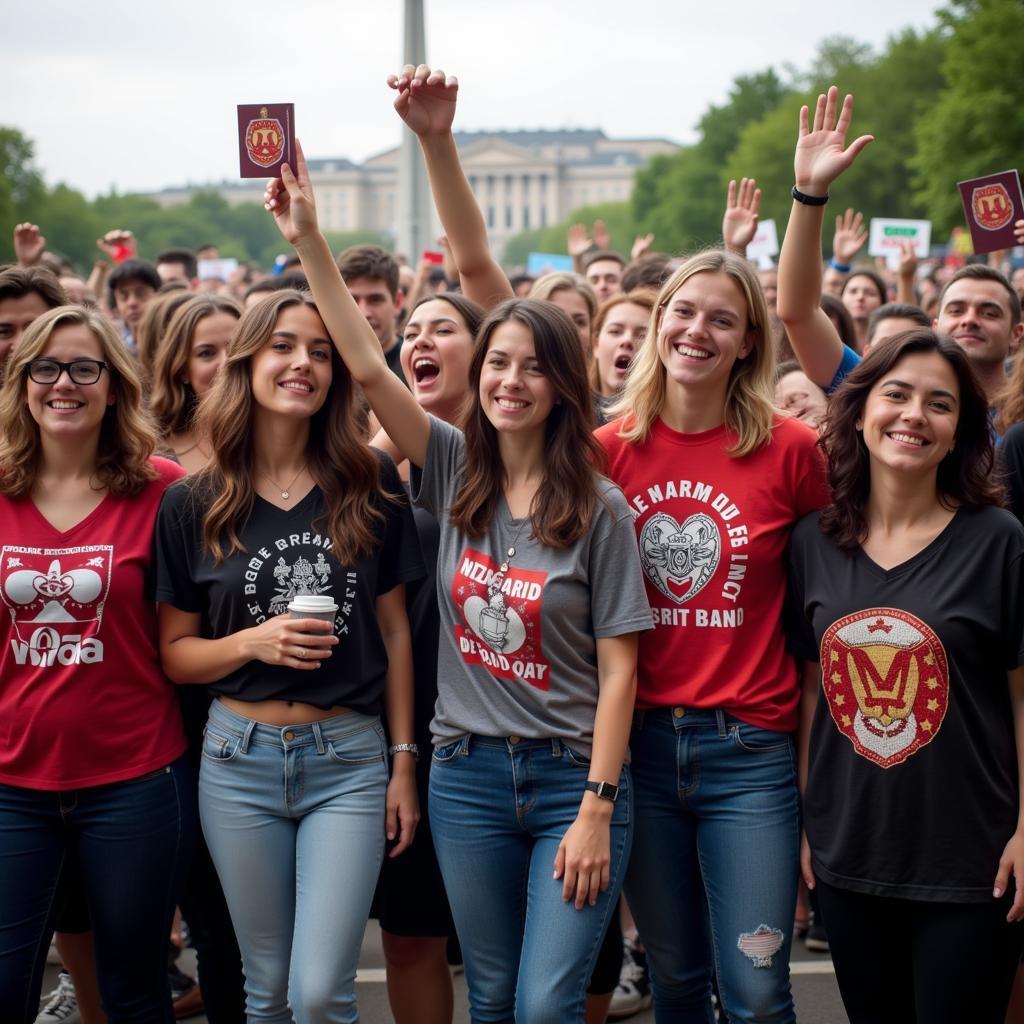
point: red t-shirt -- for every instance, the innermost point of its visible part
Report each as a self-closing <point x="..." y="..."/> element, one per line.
<point x="712" y="531"/>
<point x="83" y="700"/>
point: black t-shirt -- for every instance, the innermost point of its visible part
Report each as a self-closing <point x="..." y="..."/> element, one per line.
<point x="912" y="788"/>
<point x="1011" y="460"/>
<point x="289" y="553"/>
<point x="425" y="624"/>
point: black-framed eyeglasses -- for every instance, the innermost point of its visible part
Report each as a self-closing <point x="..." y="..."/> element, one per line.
<point x="81" y="371"/>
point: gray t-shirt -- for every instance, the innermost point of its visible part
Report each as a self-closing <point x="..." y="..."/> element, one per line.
<point x="521" y="659"/>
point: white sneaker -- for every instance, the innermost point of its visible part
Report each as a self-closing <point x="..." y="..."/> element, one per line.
<point x="62" y="1006"/>
<point x="633" y="992"/>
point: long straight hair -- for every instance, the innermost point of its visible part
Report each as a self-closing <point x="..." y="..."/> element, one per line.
<point x="749" y="399"/>
<point x="340" y="462"/>
<point x="565" y="501"/>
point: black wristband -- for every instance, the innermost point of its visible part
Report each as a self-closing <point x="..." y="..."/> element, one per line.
<point x="802" y="197"/>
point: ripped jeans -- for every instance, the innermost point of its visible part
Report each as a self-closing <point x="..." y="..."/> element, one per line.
<point x="712" y="878"/>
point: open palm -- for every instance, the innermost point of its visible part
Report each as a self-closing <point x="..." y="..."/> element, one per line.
<point x="821" y="151"/>
<point x="426" y="99"/>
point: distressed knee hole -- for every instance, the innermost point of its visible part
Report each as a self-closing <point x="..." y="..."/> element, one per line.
<point x="761" y="945"/>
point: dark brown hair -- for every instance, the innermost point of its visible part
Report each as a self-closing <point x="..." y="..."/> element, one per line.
<point x="564" y="504"/>
<point x="874" y="277"/>
<point x="369" y="261"/>
<point x="981" y="272"/>
<point x="965" y="475"/>
<point x="344" y="467"/>
<point x="17" y="282"/>
<point x="836" y="311"/>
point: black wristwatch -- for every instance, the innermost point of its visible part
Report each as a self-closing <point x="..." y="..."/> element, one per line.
<point x="605" y="790"/>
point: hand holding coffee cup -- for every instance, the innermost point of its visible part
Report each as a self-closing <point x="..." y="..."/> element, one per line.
<point x="312" y="606"/>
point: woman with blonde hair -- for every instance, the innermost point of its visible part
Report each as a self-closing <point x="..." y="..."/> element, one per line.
<point x="293" y="511"/>
<point x="191" y="351"/>
<point x="715" y="478"/>
<point x="92" y="763"/>
<point x="574" y="296"/>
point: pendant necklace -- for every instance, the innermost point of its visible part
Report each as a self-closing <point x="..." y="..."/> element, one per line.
<point x="509" y="555"/>
<point x="285" y="491"/>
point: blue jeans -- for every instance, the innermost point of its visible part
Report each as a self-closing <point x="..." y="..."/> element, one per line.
<point x="294" y="820"/>
<point x="133" y="840"/>
<point x="712" y="880"/>
<point x="499" y="809"/>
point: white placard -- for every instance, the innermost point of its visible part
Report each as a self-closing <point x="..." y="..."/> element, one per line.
<point x="886" y="235"/>
<point x="764" y="245"/>
<point x="220" y="269"/>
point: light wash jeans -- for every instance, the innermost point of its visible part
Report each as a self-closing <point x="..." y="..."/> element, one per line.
<point x="294" y="819"/>
<point x="712" y="879"/>
<point x="499" y="808"/>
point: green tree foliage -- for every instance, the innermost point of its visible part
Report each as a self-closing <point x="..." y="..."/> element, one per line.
<point x="975" y="125"/>
<point x="21" y="186"/>
<point x="680" y="197"/>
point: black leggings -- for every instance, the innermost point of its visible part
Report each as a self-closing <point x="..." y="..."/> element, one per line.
<point x="904" y="961"/>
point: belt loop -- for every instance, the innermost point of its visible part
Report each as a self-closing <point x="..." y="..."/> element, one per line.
<point x="464" y="752"/>
<point x="720" y="716"/>
<point x="318" y="736"/>
<point x="556" y="747"/>
<point x="247" y="736"/>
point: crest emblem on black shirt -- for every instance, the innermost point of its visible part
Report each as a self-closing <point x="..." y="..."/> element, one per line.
<point x="886" y="680"/>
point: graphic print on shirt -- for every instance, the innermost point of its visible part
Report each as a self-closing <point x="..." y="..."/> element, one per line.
<point x="503" y="618"/>
<point x="277" y="572"/>
<point x="55" y="597"/>
<point x="886" y="679"/>
<point x="680" y="559"/>
<point x="693" y="544"/>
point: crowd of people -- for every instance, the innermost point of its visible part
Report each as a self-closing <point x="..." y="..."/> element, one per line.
<point x="634" y="619"/>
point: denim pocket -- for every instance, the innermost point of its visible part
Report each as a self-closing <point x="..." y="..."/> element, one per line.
<point x="446" y="752"/>
<point x="575" y="758"/>
<point x="220" y="748"/>
<point x="755" y="740"/>
<point x="363" y="747"/>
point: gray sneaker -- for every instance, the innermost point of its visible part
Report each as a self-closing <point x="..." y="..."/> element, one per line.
<point x="61" y="1006"/>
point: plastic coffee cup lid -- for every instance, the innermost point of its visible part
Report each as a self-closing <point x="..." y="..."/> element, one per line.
<point x="312" y="603"/>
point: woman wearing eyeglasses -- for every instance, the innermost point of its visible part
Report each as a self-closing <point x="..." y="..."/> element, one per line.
<point x="90" y="734"/>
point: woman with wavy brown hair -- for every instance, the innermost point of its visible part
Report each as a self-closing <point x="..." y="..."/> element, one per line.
<point x="152" y="328"/>
<point x="91" y="766"/>
<point x="185" y="364"/>
<point x="540" y="600"/>
<point x="909" y="616"/>
<point x="294" y="511"/>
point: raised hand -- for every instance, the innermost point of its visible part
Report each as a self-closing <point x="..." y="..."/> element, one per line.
<point x="577" y="240"/>
<point x="849" y="238"/>
<point x="742" y="208"/>
<point x="1018" y="231"/>
<point x="29" y="244"/>
<point x="821" y="151"/>
<point x="908" y="259"/>
<point x="290" y="199"/>
<point x="118" y="244"/>
<point x="641" y="245"/>
<point x="426" y="99"/>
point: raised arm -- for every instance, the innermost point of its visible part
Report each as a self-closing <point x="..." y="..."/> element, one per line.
<point x="821" y="156"/>
<point x="426" y="103"/>
<point x="290" y="199"/>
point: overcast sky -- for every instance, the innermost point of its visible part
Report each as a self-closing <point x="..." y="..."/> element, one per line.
<point x="139" y="95"/>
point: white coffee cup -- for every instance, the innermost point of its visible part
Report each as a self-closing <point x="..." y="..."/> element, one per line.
<point x="313" y="606"/>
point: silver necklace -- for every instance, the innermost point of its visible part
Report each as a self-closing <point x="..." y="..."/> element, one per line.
<point x="509" y="554"/>
<point x="285" y="491"/>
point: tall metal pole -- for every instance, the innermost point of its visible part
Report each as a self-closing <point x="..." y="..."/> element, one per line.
<point x="414" y="202"/>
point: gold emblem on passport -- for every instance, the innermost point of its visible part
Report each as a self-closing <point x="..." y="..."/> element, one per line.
<point x="992" y="206"/>
<point x="886" y="679"/>
<point x="264" y="140"/>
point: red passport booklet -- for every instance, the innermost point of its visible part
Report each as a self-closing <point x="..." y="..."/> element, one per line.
<point x="266" y="138"/>
<point x="991" y="205"/>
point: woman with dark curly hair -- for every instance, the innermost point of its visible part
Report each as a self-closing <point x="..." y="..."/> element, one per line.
<point x="909" y="614"/>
